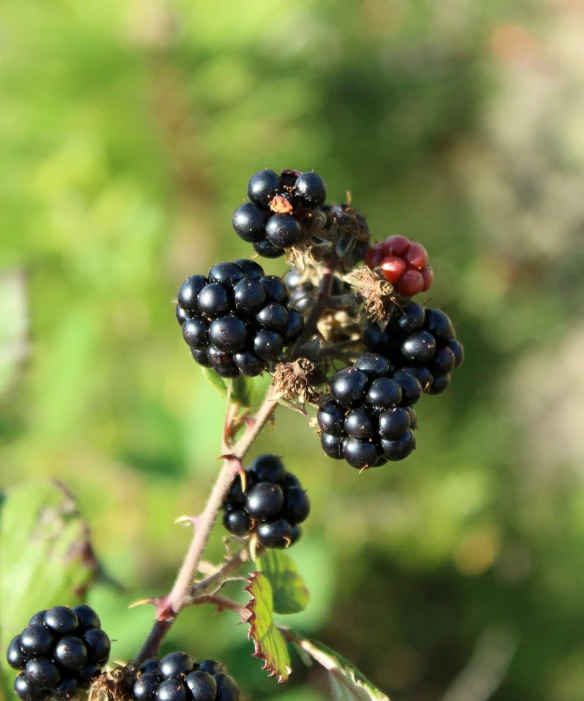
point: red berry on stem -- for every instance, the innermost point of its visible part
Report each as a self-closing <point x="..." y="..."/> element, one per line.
<point x="396" y="245"/>
<point x="393" y="268"/>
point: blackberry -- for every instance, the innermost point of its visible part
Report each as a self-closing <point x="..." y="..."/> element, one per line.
<point x="404" y="264"/>
<point x="421" y="342"/>
<point x="237" y="320"/>
<point x="177" y="677"/>
<point x="370" y="406"/>
<point x="280" y="210"/>
<point x="54" y="651"/>
<point x="271" y="507"/>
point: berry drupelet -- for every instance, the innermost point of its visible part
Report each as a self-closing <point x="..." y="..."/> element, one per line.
<point x="272" y="506"/>
<point x="404" y="264"/>
<point x="420" y="341"/>
<point x="237" y="319"/>
<point x="177" y="677"/>
<point x="60" y="652"/>
<point x="368" y="418"/>
<point x="279" y="211"/>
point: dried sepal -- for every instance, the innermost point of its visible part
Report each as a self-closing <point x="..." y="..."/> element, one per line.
<point x="281" y="205"/>
<point x="375" y="290"/>
<point x="297" y="381"/>
<point x="115" y="685"/>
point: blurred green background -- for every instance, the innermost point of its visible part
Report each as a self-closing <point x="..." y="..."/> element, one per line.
<point x="128" y="131"/>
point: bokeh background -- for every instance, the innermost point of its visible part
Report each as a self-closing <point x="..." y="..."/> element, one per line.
<point x="128" y="131"/>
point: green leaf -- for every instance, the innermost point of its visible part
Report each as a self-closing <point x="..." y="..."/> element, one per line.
<point x="47" y="558"/>
<point x="346" y="682"/>
<point x="288" y="588"/>
<point x="14" y="328"/>
<point x="242" y="392"/>
<point x="216" y="382"/>
<point x="270" y="644"/>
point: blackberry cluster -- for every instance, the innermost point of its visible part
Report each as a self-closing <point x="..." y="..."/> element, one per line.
<point x="272" y="506"/>
<point x="237" y="319"/>
<point x="59" y="652"/>
<point x="421" y="341"/>
<point x="404" y="264"/>
<point x="177" y="677"/>
<point x="279" y="211"/>
<point x="369" y="419"/>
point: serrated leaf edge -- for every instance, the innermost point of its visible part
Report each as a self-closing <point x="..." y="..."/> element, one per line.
<point x="257" y="648"/>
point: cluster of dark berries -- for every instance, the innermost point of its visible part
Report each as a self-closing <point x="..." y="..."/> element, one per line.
<point x="237" y="319"/>
<point x="177" y="677"/>
<point x="369" y="419"/>
<point x="271" y="507"/>
<point x="279" y="212"/>
<point x="421" y="340"/>
<point x="59" y="652"/>
<point x="404" y="263"/>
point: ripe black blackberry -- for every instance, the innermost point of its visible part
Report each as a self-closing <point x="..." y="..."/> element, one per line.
<point x="177" y="677"/>
<point x="368" y="417"/>
<point x="272" y="506"/>
<point x="237" y="319"/>
<point x="279" y="212"/>
<point x="421" y="341"/>
<point x="59" y="652"/>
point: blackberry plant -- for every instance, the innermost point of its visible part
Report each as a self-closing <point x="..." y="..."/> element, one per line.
<point x="340" y="339"/>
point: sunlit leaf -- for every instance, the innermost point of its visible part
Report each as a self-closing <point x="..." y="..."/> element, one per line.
<point x="288" y="588"/>
<point x="346" y="682"/>
<point x="242" y="392"/>
<point x="216" y="382"/>
<point x="270" y="645"/>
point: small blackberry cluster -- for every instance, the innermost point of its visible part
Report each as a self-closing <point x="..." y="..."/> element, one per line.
<point x="404" y="264"/>
<point x="420" y="340"/>
<point x="271" y="507"/>
<point x="237" y="319"/>
<point x="279" y="211"/>
<point x="177" y="677"/>
<point x="369" y="419"/>
<point x="59" y="652"/>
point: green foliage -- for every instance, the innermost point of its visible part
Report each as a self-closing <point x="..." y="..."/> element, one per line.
<point x="269" y="643"/>
<point x="14" y="329"/>
<point x="289" y="591"/>
<point x="345" y="681"/>
<point x="242" y="388"/>
<point x="215" y="381"/>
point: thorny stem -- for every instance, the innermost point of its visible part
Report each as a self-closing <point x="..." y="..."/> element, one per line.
<point x="182" y="592"/>
<point x="223" y="604"/>
<point x="211" y="582"/>
<point x="180" y="595"/>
